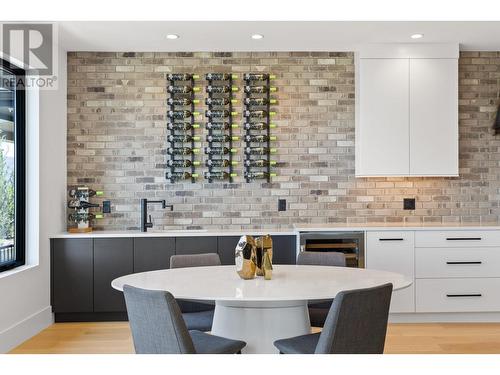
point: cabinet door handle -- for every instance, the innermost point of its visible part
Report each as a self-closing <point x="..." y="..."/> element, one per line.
<point x="472" y="262"/>
<point x="463" y="239"/>
<point x="391" y="239"/>
<point x="464" y="295"/>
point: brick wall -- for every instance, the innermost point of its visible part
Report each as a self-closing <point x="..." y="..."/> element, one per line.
<point x="116" y="142"/>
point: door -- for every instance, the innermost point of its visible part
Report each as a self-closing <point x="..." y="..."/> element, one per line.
<point x="151" y="254"/>
<point x="395" y="252"/>
<point x="113" y="257"/>
<point x="433" y="117"/>
<point x="72" y="275"/>
<point x="382" y="130"/>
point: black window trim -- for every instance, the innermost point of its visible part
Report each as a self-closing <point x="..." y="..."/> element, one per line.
<point x="20" y="166"/>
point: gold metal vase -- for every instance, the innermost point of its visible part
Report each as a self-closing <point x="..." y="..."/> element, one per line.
<point x="264" y="245"/>
<point x="245" y="257"/>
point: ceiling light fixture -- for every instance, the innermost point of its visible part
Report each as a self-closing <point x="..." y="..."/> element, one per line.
<point x="172" y="36"/>
<point x="257" y="36"/>
<point x="417" y="36"/>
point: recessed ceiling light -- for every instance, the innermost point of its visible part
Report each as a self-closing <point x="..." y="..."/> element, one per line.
<point x="257" y="36"/>
<point x="417" y="36"/>
<point x="172" y="36"/>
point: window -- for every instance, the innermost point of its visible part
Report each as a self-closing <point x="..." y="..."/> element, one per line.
<point x="12" y="166"/>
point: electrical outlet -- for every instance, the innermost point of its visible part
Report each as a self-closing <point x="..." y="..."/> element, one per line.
<point x="106" y="207"/>
<point x="281" y="204"/>
<point x="408" y="203"/>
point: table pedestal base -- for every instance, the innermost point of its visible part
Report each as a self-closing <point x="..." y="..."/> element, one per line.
<point x="260" y="324"/>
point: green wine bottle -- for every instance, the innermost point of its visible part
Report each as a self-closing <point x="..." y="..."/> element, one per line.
<point x="182" y="163"/>
<point x="222" y="175"/>
<point x="182" y="151"/>
<point x="181" y="101"/>
<point x="221" y="138"/>
<point x="219" y="150"/>
<point x="259" y="138"/>
<point x="219" y="163"/>
<point x="220" y="89"/>
<point x="220" y="76"/>
<point x="258" y="89"/>
<point x="257" y="126"/>
<point x="181" y="114"/>
<point x="177" y="176"/>
<point x="182" y="138"/>
<point x="219" y="113"/>
<point x="258" y="175"/>
<point x="182" y="89"/>
<point x="258" y="76"/>
<point x="259" y="150"/>
<point x="259" y="101"/>
<point x="181" y="126"/>
<point x="181" y="76"/>
<point x="219" y="125"/>
<point x="259" y="163"/>
<point x="219" y="101"/>
<point x="257" y="113"/>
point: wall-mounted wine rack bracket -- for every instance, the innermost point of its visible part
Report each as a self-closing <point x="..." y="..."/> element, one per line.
<point x="257" y="124"/>
<point x="182" y="125"/>
<point x="220" y="123"/>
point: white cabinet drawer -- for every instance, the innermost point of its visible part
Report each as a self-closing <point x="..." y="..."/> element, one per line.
<point x="457" y="238"/>
<point x="457" y="295"/>
<point x="435" y="262"/>
<point x="394" y="252"/>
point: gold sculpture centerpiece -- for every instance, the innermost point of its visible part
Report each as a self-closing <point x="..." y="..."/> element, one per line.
<point x="254" y="256"/>
<point x="244" y="256"/>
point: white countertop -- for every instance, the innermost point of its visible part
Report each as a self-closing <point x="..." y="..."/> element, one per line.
<point x="175" y="233"/>
<point x="288" y="283"/>
<point x="283" y="232"/>
<point x="395" y="226"/>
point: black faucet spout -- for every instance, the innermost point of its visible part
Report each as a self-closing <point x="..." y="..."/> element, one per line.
<point x="145" y="224"/>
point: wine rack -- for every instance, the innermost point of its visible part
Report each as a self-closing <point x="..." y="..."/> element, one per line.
<point x="80" y="217"/>
<point x="220" y="115"/>
<point x="257" y="125"/>
<point x="182" y="125"/>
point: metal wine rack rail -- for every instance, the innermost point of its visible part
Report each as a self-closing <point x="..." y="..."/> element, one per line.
<point x="220" y="92"/>
<point x="182" y="87"/>
<point x="257" y="100"/>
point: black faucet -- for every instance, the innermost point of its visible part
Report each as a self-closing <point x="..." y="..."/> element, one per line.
<point x="145" y="224"/>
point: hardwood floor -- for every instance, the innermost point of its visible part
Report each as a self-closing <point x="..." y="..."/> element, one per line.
<point x="114" y="337"/>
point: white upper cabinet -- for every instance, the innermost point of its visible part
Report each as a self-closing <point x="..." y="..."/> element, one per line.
<point x="407" y="111"/>
<point x="433" y="117"/>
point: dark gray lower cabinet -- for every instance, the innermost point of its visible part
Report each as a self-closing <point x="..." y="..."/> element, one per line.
<point x="113" y="257"/>
<point x="151" y="254"/>
<point x="284" y="249"/>
<point x="195" y="245"/>
<point x="72" y="275"/>
<point x="226" y="249"/>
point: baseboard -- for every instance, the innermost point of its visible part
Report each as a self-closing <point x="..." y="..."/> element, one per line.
<point x="471" y="317"/>
<point x="25" y="329"/>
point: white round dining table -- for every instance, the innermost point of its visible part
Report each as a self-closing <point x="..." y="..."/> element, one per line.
<point x="260" y="311"/>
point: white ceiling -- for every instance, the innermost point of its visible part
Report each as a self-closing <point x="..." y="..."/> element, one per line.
<point x="279" y="36"/>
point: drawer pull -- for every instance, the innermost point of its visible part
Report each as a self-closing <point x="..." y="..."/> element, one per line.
<point x="463" y="239"/>
<point x="391" y="239"/>
<point x="473" y="262"/>
<point x="464" y="295"/>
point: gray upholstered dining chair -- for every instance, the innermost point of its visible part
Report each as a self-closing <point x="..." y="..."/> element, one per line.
<point x="356" y="324"/>
<point x="198" y="316"/>
<point x="158" y="327"/>
<point x="319" y="311"/>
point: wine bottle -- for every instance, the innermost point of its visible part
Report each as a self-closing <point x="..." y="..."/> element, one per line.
<point x="221" y="138"/>
<point x="221" y="89"/>
<point x="258" y="76"/>
<point x="219" y="175"/>
<point x="78" y="192"/>
<point x="176" y="176"/>
<point x="257" y="113"/>
<point x="258" y="175"/>
<point x="259" y="150"/>
<point x="181" y="101"/>
<point x="259" y="138"/>
<point x="182" y="138"/>
<point x="219" y="113"/>
<point x="220" y="163"/>
<point x="182" y="89"/>
<point x="181" y="126"/>
<point x="219" y="125"/>
<point x="220" y="76"/>
<point x="182" y="151"/>
<point x="258" y="89"/>
<point x="77" y="204"/>
<point x="181" y="76"/>
<point x="259" y="163"/>
<point x="219" y="101"/>
<point x="181" y="114"/>
<point x="257" y="126"/>
<point x="182" y="163"/>
<point x="219" y="150"/>
<point x="259" y="101"/>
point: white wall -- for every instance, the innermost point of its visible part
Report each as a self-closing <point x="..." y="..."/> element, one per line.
<point x="25" y="292"/>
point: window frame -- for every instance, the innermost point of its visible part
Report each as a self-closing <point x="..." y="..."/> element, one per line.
<point x="19" y="166"/>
